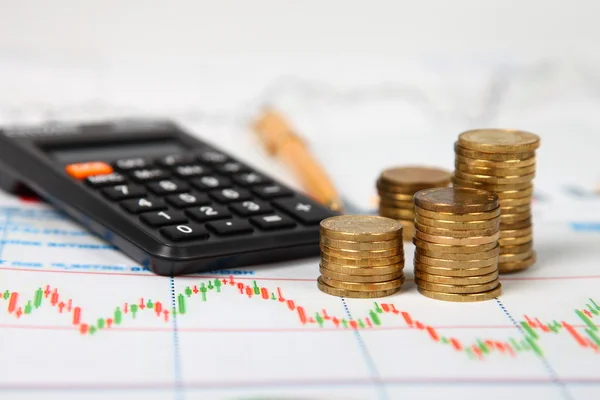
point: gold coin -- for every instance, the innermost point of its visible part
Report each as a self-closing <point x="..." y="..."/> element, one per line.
<point x="446" y="216"/>
<point x="348" y="245"/>
<point x="515" y="193"/>
<point x="492" y="187"/>
<point x="520" y="248"/>
<point x="358" y="254"/>
<point x="523" y="201"/>
<point x="363" y="286"/>
<point x="396" y="213"/>
<point x="457" y="272"/>
<point x="454" y="280"/>
<point x="387" y="187"/>
<point x="443" y="263"/>
<point x="456" y="200"/>
<point x="409" y="232"/>
<point x="504" y="234"/>
<point x="516" y="209"/>
<point x="360" y="228"/>
<point x="499" y="140"/>
<point x="361" y="270"/>
<point x="445" y="255"/>
<point x="360" y="278"/>
<point x="390" y="203"/>
<point x="475" y="240"/>
<point x="462" y="298"/>
<point x="494" y="171"/>
<point x="494" y="180"/>
<point x="514" y="241"/>
<point x="415" y="177"/>
<point x="457" y="233"/>
<point x="451" y="248"/>
<point x="526" y="223"/>
<point x="485" y="225"/>
<point x="506" y="219"/>
<point x="396" y="196"/>
<point x="391" y="262"/>
<point x="462" y="151"/>
<point x="457" y="289"/>
<point x="354" y="293"/>
<point x="508" y="258"/>
<point x="509" y="267"/>
<point x="478" y="162"/>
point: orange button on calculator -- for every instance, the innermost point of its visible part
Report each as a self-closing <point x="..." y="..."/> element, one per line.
<point x="83" y="170"/>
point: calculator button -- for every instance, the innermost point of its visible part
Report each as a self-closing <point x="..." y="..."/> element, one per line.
<point x="273" y="221"/>
<point x="86" y="169"/>
<point x="163" y="218"/>
<point x="149" y="174"/>
<point x="230" y="195"/>
<point x="174" y="160"/>
<point x="168" y="187"/>
<point x="212" y="157"/>
<point x="272" y="191"/>
<point x="249" y="179"/>
<point x="185" y="200"/>
<point x="182" y="233"/>
<point x="231" y="167"/>
<point x="121" y="192"/>
<point x="136" y="206"/>
<point x="247" y="208"/>
<point x="208" y="213"/>
<point x="188" y="171"/>
<point x="230" y="227"/>
<point x="131" y="163"/>
<point x="210" y="182"/>
<point x="305" y="211"/>
<point x="105" y="180"/>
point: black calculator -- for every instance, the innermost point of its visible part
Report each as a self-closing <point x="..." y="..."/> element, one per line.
<point x="170" y="201"/>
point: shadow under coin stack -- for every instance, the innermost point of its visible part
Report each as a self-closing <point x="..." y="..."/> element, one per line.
<point x="456" y="239"/>
<point x="503" y="161"/>
<point x="361" y="256"/>
<point x="397" y="186"/>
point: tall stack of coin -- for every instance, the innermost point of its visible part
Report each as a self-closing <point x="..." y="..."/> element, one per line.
<point x="361" y="256"/>
<point x="456" y="239"/>
<point x="503" y="161"/>
<point x="396" y="187"/>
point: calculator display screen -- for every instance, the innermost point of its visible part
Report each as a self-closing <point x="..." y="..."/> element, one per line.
<point x="113" y="151"/>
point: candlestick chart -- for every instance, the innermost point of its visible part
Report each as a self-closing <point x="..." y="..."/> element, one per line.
<point x="583" y="333"/>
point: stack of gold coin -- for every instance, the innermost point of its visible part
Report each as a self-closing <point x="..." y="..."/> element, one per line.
<point x="456" y="239"/>
<point x="503" y="161"/>
<point x="397" y="186"/>
<point x="361" y="256"/>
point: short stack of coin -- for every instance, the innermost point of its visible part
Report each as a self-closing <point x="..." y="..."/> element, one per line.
<point x="396" y="187"/>
<point x="456" y="239"/>
<point x="361" y="256"/>
<point x="503" y="161"/>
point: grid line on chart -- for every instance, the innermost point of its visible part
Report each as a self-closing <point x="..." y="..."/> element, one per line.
<point x="551" y="372"/>
<point x="435" y="381"/>
<point x="251" y="277"/>
<point x="367" y="356"/>
<point x="176" y="347"/>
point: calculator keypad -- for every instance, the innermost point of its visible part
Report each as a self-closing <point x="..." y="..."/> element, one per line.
<point x="144" y="204"/>
<point x="163" y="218"/>
<point x="193" y="197"/>
<point x="208" y="213"/>
<point x="185" y="200"/>
<point x="168" y="186"/>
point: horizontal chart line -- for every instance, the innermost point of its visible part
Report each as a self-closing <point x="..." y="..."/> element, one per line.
<point x="254" y="330"/>
<point x="452" y="381"/>
<point x="254" y="277"/>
